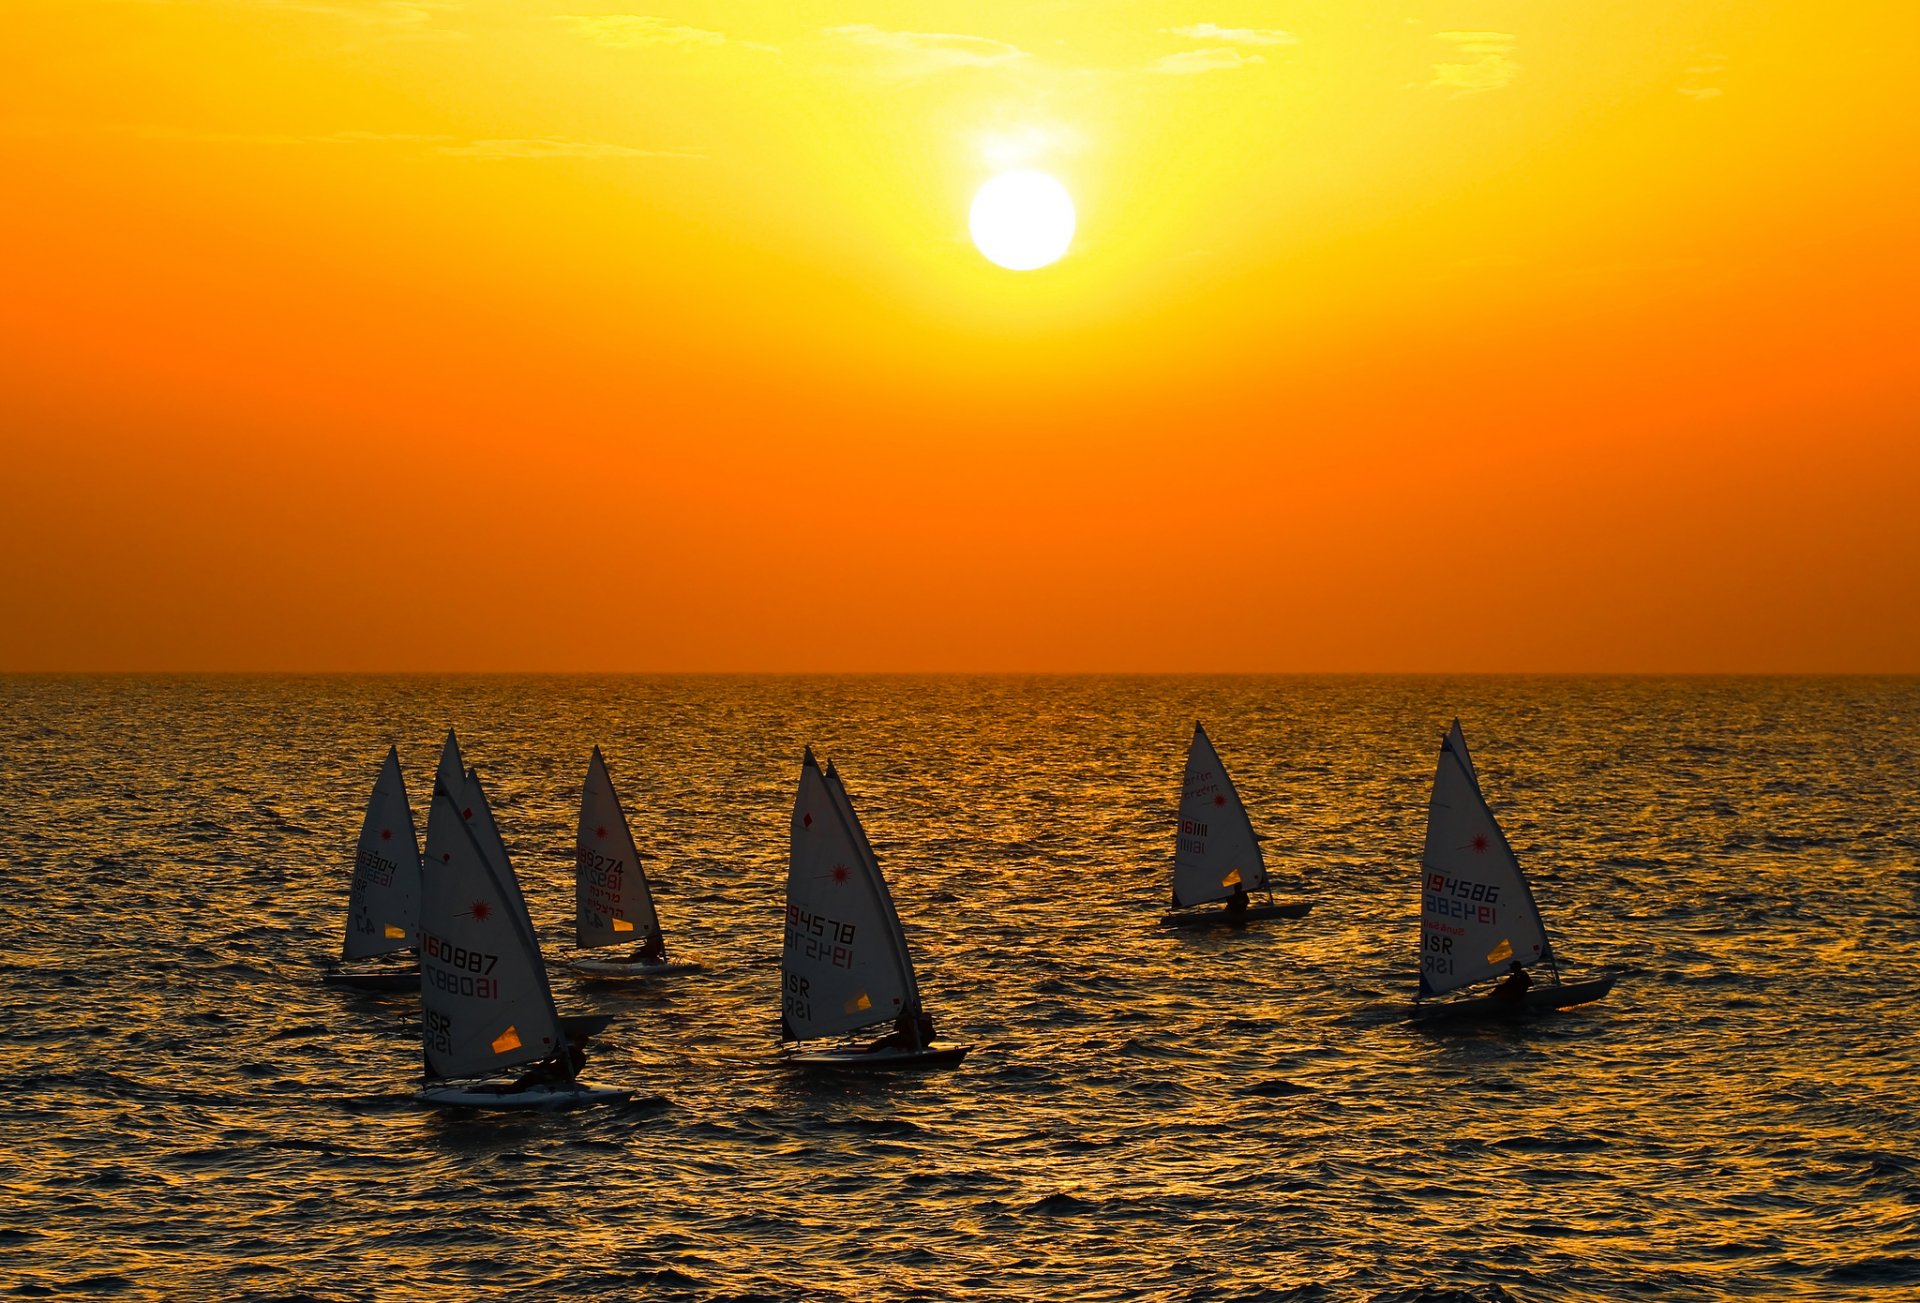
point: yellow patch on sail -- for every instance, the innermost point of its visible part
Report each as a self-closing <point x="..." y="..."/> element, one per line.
<point x="621" y="925"/>
<point x="1501" y="952"/>
<point x="859" y="1003"/>
<point x="1233" y="878"/>
<point x="506" y="1040"/>
<point x="396" y="933"/>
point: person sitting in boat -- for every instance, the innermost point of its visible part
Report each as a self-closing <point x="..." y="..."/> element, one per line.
<point x="652" y="951"/>
<point x="912" y="1030"/>
<point x="562" y="1066"/>
<point x="1514" y="985"/>
<point x="1237" y="902"/>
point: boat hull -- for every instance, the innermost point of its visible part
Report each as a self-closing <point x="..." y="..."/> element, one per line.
<point x="890" y="1059"/>
<point x="1540" y="999"/>
<point x="1212" y="918"/>
<point x="499" y="1095"/>
<point x="615" y="968"/>
<point x="393" y="979"/>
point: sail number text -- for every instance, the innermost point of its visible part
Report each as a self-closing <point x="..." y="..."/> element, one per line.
<point x="376" y="870"/>
<point x="1455" y="898"/>
<point x="474" y="961"/>
<point x="603" y="876"/>
<point x="815" y="936"/>
<point x="458" y="970"/>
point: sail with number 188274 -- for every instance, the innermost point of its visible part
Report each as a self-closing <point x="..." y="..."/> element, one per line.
<point x="613" y="901"/>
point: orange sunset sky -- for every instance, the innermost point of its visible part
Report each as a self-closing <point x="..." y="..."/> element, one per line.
<point x="554" y="335"/>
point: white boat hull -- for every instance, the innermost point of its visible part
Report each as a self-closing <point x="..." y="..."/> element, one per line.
<point x="891" y="1059"/>
<point x="1210" y="916"/>
<point x="546" y="1095"/>
<point x="618" y="968"/>
<point x="1539" y="999"/>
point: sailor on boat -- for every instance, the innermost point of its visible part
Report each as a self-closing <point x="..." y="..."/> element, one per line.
<point x="912" y="1031"/>
<point x="1514" y="985"/>
<point x="651" y="951"/>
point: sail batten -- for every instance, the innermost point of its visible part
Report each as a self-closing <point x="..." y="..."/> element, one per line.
<point x="1477" y="913"/>
<point x="844" y="964"/>
<point x="383" y="908"/>
<point x="1216" y="847"/>
<point x="612" y="901"/>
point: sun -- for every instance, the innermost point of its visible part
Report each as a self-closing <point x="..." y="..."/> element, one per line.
<point x="1022" y="220"/>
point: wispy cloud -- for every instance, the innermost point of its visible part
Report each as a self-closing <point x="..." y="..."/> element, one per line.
<point x="1698" y="84"/>
<point x="412" y="17"/>
<point x="1485" y="62"/>
<point x="632" y="31"/>
<point x="1216" y="59"/>
<point x="1235" y="35"/>
<point x="532" y="147"/>
<point x="554" y="147"/>
<point x="917" y="54"/>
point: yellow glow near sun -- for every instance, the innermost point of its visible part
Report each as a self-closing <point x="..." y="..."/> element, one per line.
<point x="1022" y="220"/>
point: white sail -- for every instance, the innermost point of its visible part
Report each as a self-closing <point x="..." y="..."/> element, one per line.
<point x="1476" y="913"/>
<point x="612" y="904"/>
<point x="384" y="907"/>
<point x="845" y="963"/>
<point x="1215" y="846"/>
<point x="485" y="1002"/>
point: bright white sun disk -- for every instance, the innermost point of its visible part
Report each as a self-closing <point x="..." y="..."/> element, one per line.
<point x="1022" y="220"/>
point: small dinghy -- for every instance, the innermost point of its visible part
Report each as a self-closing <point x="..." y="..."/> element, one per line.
<point x="1216" y="852"/>
<point x="485" y="1005"/>
<point x="613" y="904"/>
<point x="845" y="965"/>
<point x="1478" y="919"/>
<point x="383" y="907"/>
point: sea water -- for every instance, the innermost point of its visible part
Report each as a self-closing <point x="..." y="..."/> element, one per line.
<point x="1146" y="1114"/>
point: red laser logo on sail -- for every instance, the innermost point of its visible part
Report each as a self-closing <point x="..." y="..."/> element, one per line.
<point x="479" y="911"/>
<point x="839" y="873"/>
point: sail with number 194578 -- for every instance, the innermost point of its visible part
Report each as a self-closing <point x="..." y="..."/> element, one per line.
<point x="1478" y="918"/>
<point x="845" y="966"/>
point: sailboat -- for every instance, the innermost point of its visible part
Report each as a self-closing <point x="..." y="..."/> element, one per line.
<point x="384" y="904"/>
<point x="612" y="903"/>
<point x="485" y="1005"/>
<point x="845" y="964"/>
<point x="1216" y="850"/>
<point x="1477" y="914"/>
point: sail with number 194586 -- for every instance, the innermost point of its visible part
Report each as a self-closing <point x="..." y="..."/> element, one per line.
<point x="1478" y="918"/>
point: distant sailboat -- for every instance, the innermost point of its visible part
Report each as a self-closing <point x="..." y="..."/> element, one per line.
<point x="485" y="1004"/>
<point x="845" y="964"/>
<point x="383" y="907"/>
<point x="1477" y="914"/>
<point x="612" y="902"/>
<point x="1216" y="849"/>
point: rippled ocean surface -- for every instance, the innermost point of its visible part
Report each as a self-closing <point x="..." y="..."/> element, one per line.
<point x="190" y="1113"/>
